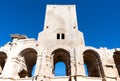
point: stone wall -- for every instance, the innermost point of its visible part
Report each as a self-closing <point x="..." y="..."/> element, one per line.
<point x="60" y="41"/>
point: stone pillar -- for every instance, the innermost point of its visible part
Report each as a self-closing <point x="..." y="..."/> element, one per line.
<point x="38" y="65"/>
<point x="41" y="66"/>
<point x="79" y="62"/>
<point x="109" y="70"/>
<point x="72" y="59"/>
<point x="10" y="69"/>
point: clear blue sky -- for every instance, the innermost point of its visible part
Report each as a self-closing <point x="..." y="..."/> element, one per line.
<point x="99" y="20"/>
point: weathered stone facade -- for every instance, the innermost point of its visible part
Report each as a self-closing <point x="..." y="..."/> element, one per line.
<point x="60" y="41"/>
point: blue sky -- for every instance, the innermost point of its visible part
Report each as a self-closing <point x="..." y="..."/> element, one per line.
<point x="99" y="20"/>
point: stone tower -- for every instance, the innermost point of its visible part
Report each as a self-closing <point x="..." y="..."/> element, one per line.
<point x="60" y="41"/>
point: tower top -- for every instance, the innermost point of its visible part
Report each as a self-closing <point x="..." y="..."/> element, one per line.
<point x="60" y="27"/>
<point x="60" y="16"/>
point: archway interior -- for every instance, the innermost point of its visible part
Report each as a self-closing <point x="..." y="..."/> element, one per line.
<point x="30" y="57"/>
<point x="116" y="57"/>
<point x="86" y="70"/>
<point x="92" y="63"/>
<point x="33" y="70"/>
<point x="3" y="58"/>
<point x="61" y="55"/>
<point x="60" y="69"/>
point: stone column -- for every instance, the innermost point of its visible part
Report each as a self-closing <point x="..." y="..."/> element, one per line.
<point x="10" y="69"/>
<point x="79" y="62"/>
<point x="72" y="63"/>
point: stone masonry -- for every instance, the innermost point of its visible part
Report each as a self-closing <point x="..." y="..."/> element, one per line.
<point x="60" y="41"/>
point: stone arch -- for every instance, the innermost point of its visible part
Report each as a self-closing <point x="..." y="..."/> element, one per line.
<point x="93" y="63"/>
<point x="3" y="57"/>
<point x="62" y="55"/>
<point x="29" y="58"/>
<point x="116" y="58"/>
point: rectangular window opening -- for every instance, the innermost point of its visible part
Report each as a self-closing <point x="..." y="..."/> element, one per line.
<point x="58" y="36"/>
<point x="63" y="36"/>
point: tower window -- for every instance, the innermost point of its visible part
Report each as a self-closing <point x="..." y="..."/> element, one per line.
<point x="63" y="36"/>
<point x="58" y="36"/>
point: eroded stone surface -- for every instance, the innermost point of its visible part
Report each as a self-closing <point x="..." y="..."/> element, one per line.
<point x="60" y="41"/>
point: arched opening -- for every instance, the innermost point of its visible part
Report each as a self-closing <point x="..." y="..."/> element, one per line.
<point x="63" y="56"/>
<point x="86" y="70"/>
<point x="33" y="70"/>
<point x="30" y="57"/>
<point x="92" y="64"/>
<point x="60" y="69"/>
<point x="3" y="58"/>
<point x="116" y="57"/>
